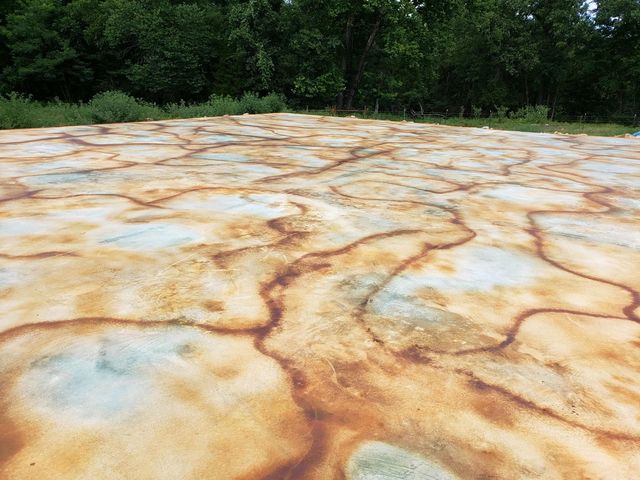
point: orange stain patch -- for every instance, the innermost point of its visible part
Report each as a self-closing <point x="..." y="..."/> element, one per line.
<point x="284" y="296"/>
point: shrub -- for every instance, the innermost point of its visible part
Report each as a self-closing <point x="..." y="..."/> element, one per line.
<point x="184" y="110"/>
<point x="274" y="103"/>
<point x="60" y="113"/>
<point x="115" y="106"/>
<point x="501" y="112"/>
<point x="223" y="105"/>
<point x="477" y="111"/>
<point x="251" y="103"/>
<point x="532" y="114"/>
<point x="17" y="111"/>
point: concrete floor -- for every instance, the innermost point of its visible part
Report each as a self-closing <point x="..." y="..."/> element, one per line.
<point x="288" y="296"/>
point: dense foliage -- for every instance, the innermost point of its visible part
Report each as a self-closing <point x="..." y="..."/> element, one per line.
<point x="468" y="56"/>
<point x="18" y="111"/>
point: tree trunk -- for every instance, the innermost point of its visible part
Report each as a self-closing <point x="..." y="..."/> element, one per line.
<point x="363" y="58"/>
<point x="555" y="101"/>
<point x="66" y="93"/>
<point x="346" y="58"/>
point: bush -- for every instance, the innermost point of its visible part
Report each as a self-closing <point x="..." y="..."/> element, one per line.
<point x="274" y="103"/>
<point x="60" y="113"/>
<point x="215" y="106"/>
<point x="251" y="103"/>
<point x="532" y="114"/>
<point x="223" y="105"/>
<point x="184" y="110"/>
<point x="17" y="111"/>
<point x="501" y="112"/>
<point x="115" y="106"/>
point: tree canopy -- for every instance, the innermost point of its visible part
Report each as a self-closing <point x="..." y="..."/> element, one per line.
<point x="573" y="56"/>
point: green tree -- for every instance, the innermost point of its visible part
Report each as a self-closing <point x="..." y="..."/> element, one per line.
<point x="349" y="50"/>
<point x="573" y="56"/>
<point x="254" y="33"/>
<point x="167" y="51"/>
<point x="617" y="47"/>
<point x="45" y="46"/>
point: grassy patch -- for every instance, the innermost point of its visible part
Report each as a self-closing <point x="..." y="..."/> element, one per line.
<point x="601" y="129"/>
<point x="114" y="107"/>
<point x="222" y="105"/>
<point x="17" y="111"/>
<point x="514" y="124"/>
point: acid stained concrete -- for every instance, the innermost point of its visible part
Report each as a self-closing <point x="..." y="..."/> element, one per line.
<point x="287" y="296"/>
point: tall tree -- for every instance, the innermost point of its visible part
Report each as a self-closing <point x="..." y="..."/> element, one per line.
<point x="617" y="24"/>
<point x="254" y="31"/>
<point x="166" y="50"/>
<point x="575" y="56"/>
<point x="45" y="43"/>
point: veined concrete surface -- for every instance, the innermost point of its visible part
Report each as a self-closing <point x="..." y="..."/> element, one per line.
<point x="285" y="296"/>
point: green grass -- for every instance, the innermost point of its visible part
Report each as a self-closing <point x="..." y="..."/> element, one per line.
<point x="17" y="111"/>
<point x="600" y="129"/>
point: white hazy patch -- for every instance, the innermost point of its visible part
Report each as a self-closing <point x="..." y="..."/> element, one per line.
<point x="255" y="205"/>
<point x="476" y="269"/>
<point x="382" y="461"/>
<point x="24" y="226"/>
<point x="8" y="278"/>
<point x="223" y="157"/>
<point x="527" y="196"/>
<point x="38" y="149"/>
<point x="149" y="237"/>
<point x="592" y="229"/>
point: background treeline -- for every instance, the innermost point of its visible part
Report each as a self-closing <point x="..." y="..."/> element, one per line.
<point x="472" y="56"/>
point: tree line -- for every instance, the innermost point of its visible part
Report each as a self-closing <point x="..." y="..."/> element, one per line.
<point x="464" y="56"/>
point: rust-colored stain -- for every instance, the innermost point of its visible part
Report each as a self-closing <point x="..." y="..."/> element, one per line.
<point x="285" y="296"/>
